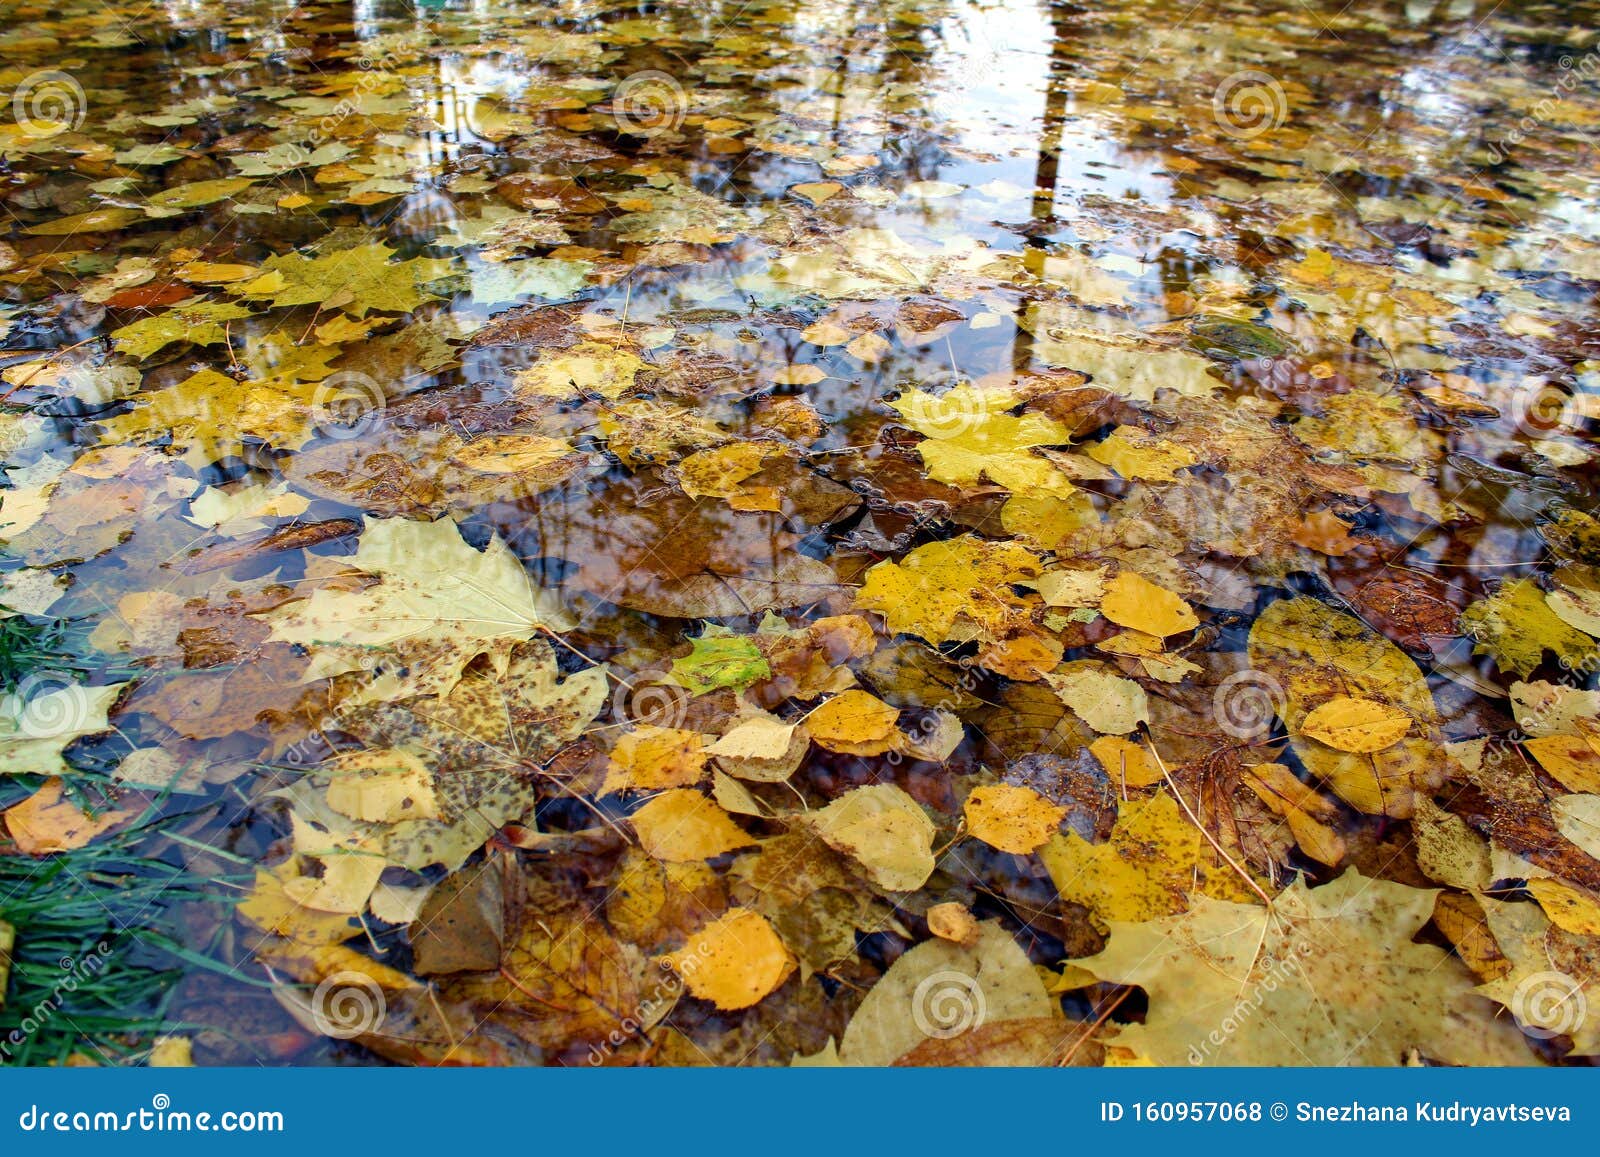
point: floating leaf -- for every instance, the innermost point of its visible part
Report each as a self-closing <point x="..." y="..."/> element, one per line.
<point x="1311" y="962"/>
<point x="1131" y="600"/>
<point x="1517" y="626"/>
<point x="1360" y="725"/>
<point x="201" y="323"/>
<point x="719" y="661"/>
<point x="884" y="830"/>
<point x="355" y="280"/>
<point x="439" y="605"/>
<point x="943" y="990"/>
<point x="734" y="961"/>
<point x="970" y="434"/>
<point x="1311" y="654"/>
<point x="48" y="821"/>
<point x="681" y="826"/>
<point x="1156" y="863"/>
<point x="1108" y="703"/>
<point x="854" y="722"/>
<point x="1013" y="819"/>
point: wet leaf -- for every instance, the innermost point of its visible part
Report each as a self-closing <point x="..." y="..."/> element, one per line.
<point x="1315" y="655"/>
<point x="1360" y="725"/>
<point x="36" y="730"/>
<point x="439" y="603"/>
<point x="1013" y="819"/>
<point x="355" y="280"/>
<point x="1326" y="949"/>
<point x="971" y="435"/>
<point x="734" y="961"/>
<point x="48" y="821"/>
<point x="719" y="661"/>
<point x="854" y="722"/>
<point x="1130" y="600"/>
<point x="1156" y="863"/>
<point x="882" y="829"/>
<point x="941" y="991"/>
<point x="1517" y="626"/>
<point x="683" y="826"/>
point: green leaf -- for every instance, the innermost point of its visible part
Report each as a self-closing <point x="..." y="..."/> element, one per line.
<point x="725" y="661"/>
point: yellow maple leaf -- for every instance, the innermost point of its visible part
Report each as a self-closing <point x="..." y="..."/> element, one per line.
<point x="970" y="435"/>
<point x="934" y="586"/>
<point x="1133" y="453"/>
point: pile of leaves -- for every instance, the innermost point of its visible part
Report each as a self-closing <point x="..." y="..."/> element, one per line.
<point x="670" y="555"/>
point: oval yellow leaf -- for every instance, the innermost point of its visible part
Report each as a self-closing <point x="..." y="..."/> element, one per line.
<point x="1135" y="602"/>
<point x="682" y="826"/>
<point x="1358" y="725"/>
<point x="1013" y="819"/>
<point x="734" y="961"/>
<point x="884" y="830"/>
<point x="1127" y="763"/>
<point x="854" y="722"/>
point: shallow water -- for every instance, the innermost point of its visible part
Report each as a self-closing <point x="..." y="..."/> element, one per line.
<point x="631" y="291"/>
